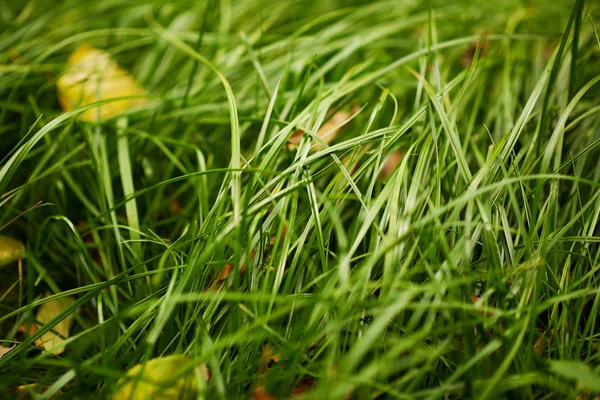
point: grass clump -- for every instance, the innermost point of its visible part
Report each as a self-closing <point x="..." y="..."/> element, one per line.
<point x="441" y="241"/>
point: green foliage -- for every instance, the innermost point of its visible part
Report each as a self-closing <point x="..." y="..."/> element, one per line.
<point x="190" y="228"/>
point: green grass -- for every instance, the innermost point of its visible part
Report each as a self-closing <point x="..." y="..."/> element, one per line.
<point x="472" y="271"/>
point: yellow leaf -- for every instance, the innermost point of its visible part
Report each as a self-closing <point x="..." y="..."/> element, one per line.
<point x="159" y="379"/>
<point x="11" y="250"/>
<point x="46" y="313"/>
<point x="92" y="75"/>
<point x="26" y="391"/>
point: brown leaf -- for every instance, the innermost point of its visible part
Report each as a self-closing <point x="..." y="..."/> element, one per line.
<point x="305" y="385"/>
<point x="176" y="207"/>
<point x="28" y="329"/>
<point x="273" y="238"/>
<point x="327" y="132"/>
<point x="586" y="396"/>
<point x="542" y="343"/>
<point x="475" y="299"/>
<point x="221" y="276"/>
<point x="224" y="274"/>
<point x="391" y="164"/>
<point x="268" y="356"/>
<point x="480" y="312"/>
<point x="468" y="56"/>
<point x="4" y="350"/>
<point x="260" y="393"/>
<point x="351" y="163"/>
<point x="204" y="370"/>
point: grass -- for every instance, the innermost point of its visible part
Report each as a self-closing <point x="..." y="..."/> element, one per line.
<point x="468" y="269"/>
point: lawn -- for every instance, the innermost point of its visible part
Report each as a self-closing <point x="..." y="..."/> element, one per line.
<point x="334" y="199"/>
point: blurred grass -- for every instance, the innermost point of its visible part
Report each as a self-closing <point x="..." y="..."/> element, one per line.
<point x="462" y="274"/>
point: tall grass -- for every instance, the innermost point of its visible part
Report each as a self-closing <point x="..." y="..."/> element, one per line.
<point x="469" y="270"/>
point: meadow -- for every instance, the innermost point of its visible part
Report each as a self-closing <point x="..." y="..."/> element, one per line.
<point x="334" y="199"/>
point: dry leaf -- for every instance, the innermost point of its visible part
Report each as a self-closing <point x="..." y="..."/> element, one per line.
<point x="469" y="54"/>
<point x="326" y="132"/>
<point x="221" y="276"/>
<point x="92" y="76"/>
<point x="475" y="299"/>
<point x="204" y="371"/>
<point x="46" y="313"/>
<point x="268" y="359"/>
<point x="28" y="329"/>
<point x="260" y="393"/>
<point x="273" y="239"/>
<point x="305" y="385"/>
<point x="351" y="163"/>
<point x="176" y="207"/>
<point x="154" y="379"/>
<point x="391" y="164"/>
<point x="224" y="274"/>
<point x="268" y="356"/>
<point x="11" y="250"/>
<point x="540" y="345"/>
<point x="4" y="350"/>
<point x="587" y="396"/>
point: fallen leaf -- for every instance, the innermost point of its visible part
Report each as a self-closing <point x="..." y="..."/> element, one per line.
<point x="475" y="299"/>
<point x="224" y="274"/>
<point x="176" y="207"/>
<point x="157" y="379"/>
<point x="305" y="385"/>
<point x="273" y="239"/>
<point x="204" y="371"/>
<point x="4" y="350"/>
<point x="326" y="132"/>
<point x="540" y="345"/>
<point x="587" y="396"/>
<point x="11" y="250"/>
<point x="221" y="276"/>
<point x="269" y="357"/>
<point x="391" y="164"/>
<point x="469" y="54"/>
<point x="260" y="393"/>
<point x="92" y="75"/>
<point x="52" y="339"/>
<point x="28" y="329"/>
<point x="351" y="163"/>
